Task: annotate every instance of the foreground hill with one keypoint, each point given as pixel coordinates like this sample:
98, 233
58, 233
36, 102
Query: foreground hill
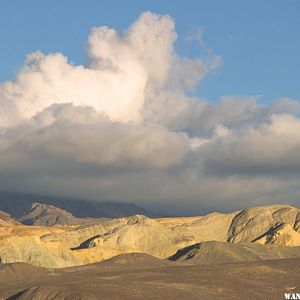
139, 276
73, 245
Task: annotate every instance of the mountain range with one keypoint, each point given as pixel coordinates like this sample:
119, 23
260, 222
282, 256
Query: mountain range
16, 203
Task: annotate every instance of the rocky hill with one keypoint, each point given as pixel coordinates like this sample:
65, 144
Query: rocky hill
273, 224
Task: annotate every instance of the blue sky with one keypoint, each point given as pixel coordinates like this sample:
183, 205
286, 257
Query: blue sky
258, 40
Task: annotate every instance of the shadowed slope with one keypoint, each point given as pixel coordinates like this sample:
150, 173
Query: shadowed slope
219, 252
7, 220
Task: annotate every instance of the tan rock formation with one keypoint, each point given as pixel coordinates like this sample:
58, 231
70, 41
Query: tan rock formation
252, 223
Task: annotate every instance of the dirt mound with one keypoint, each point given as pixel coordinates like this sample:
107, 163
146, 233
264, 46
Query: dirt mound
135, 260
19, 272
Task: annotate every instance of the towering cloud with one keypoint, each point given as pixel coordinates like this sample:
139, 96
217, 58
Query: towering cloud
123, 127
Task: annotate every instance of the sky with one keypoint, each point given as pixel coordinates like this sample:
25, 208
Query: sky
178, 106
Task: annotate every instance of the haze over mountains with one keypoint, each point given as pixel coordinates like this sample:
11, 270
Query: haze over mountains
16, 203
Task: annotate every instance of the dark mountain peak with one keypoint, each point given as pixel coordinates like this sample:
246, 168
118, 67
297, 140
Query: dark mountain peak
47, 215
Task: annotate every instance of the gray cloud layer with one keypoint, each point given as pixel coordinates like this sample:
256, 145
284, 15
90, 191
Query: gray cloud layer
124, 128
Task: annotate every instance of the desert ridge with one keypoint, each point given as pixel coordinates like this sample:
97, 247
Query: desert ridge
271, 229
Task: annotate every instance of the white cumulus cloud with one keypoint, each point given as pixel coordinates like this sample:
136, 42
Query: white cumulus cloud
124, 127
